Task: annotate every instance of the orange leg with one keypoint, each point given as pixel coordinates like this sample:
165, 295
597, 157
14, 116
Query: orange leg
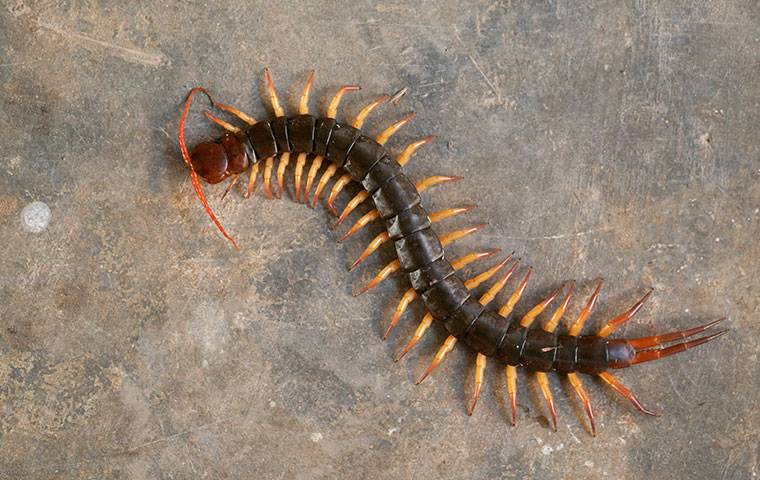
622, 390
303, 105
448, 346
543, 382
329, 172
352, 204
365, 220
284, 160
657, 353
410, 294
232, 183
337, 187
551, 325
278, 111
511, 373
528, 318
581, 392
227, 126
298, 172
480, 368
252, 180
359, 120
407, 153
506, 309
388, 132
613, 324
657, 340
576, 328
315, 166
268, 163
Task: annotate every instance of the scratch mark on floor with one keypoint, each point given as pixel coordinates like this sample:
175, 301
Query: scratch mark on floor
477, 67
130, 54
560, 236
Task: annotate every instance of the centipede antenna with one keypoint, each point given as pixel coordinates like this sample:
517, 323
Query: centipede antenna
268, 163
234, 111
551, 325
338, 186
428, 182
418, 333
449, 212
303, 105
511, 374
411, 294
278, 111
576, 328
351, 205
225, 125
382, 139
390, 268
233, 181
365, 219
527, 319
447, 346
332, 109
316, 164
186, 157
380, 239
362, 116
506, 309
622, 390
284, 160
642, 356
480, 368
543, 383
252, 180
409, 150
326, 176
616, 322
575, 381
298, 172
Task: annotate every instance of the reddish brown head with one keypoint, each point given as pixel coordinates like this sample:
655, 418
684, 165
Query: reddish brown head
218, 159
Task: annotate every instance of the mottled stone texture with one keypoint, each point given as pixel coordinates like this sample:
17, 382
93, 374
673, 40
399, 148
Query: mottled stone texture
618, 140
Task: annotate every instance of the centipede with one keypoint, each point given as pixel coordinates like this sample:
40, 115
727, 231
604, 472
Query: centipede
392, 200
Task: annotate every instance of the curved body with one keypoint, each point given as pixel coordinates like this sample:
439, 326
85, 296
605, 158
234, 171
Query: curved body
420, 250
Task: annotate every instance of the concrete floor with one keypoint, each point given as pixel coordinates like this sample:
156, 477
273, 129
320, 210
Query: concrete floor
617, 141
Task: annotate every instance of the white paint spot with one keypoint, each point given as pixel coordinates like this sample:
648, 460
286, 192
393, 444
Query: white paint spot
36, 217
392, 430
589, 463
272, 404
547, 449
316, 437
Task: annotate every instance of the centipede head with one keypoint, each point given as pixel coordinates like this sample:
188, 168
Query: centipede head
215, 160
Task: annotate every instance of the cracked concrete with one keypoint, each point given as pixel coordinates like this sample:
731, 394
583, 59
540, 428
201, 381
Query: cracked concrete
618, 140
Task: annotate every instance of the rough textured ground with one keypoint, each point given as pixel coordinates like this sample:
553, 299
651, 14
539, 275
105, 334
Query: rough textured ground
617, 141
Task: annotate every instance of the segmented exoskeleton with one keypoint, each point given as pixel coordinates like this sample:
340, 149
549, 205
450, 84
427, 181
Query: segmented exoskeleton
420, 251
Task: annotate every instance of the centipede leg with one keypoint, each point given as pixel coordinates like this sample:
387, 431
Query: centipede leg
233, 181
359, 120
583, 395
225, 125
252, 180
657, 353
268, 163
511, 373
616, 322
657, 340
480, 367
409, 150
352, 204
284, 160
448, 346
366, 219
622, 390
410, 294
338, 186
326, 176
298, 172
393, 266
388, 132
315, 166
576, 328
543, 383
471, 283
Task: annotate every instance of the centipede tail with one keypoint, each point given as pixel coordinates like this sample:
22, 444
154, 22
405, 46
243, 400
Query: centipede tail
345, 155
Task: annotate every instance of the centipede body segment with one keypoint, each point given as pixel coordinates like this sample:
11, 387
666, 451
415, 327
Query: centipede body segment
351, 156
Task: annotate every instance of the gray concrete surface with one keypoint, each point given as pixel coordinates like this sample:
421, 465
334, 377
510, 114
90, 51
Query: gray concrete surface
616, 141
